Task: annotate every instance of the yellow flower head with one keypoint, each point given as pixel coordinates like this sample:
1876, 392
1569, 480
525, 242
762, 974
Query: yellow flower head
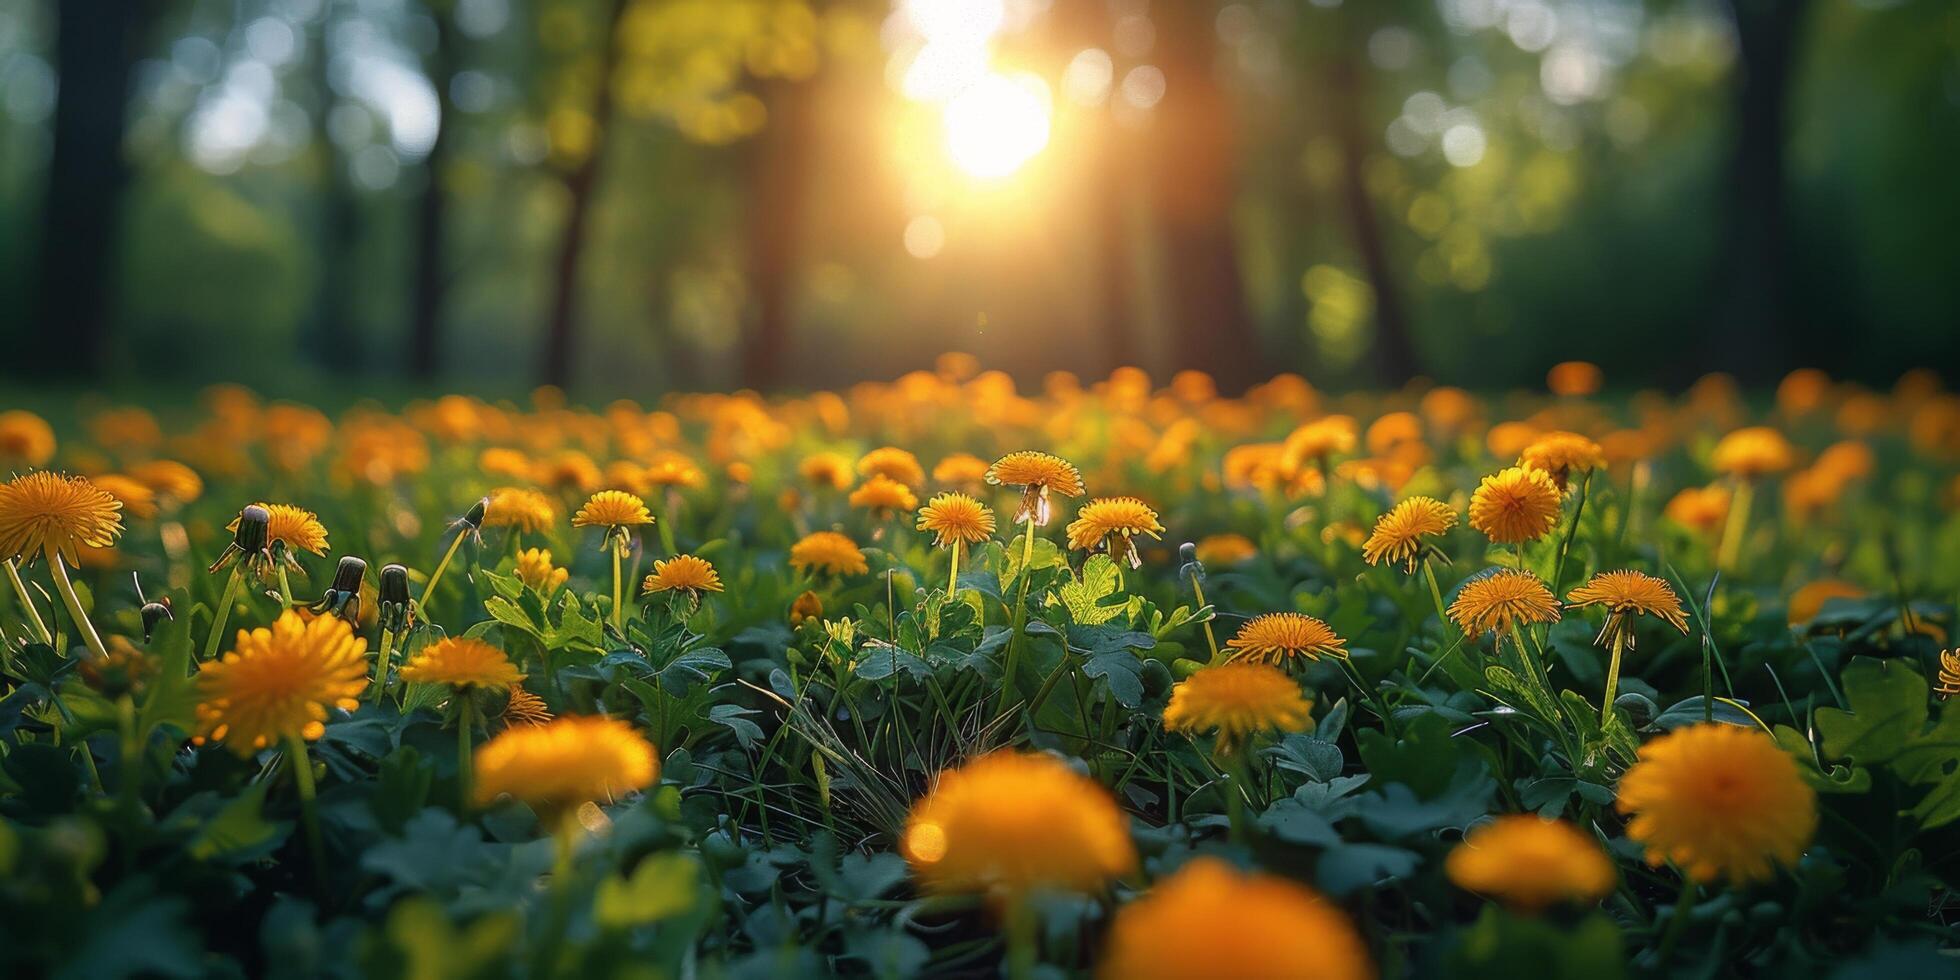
168, 479
828, 552
883, 497
564, 762
1700, 509
1948, 682
137, 499
963, 470
1718, 800
1237, 699
826, 471
1225, 549
25, 438
1036, 473
293, 529
460, 661
1515, 505
525, 708
1560, 454
1115, 522
1626, 594
1809, 600
1401, 534
1321, 438
278, 682
1755, 451
505, 462
893, 463
1530, 863
1574, 379
612, 509
42, 512
1007, 824
806, 607
956, 517
521, 509
534, 568
1213, 920
1278, 638
674, 470
1500, 599
685, 573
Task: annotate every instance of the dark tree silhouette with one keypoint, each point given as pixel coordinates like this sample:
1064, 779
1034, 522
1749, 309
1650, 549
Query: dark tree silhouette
431, 280
562, 318
779, 164
332, 337
1394, 350
87, 176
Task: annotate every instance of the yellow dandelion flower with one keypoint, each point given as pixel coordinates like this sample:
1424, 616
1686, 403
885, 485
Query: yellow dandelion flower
1754, 451
1114, 523
963, 470
894, 464
1809, 600
1626, 594
1036, 473
459, 661
828, 552
168, 479
1401, 534
956, 517
883, 497
43, 511
612, 509
525, 708
556, 766
293, 529
278, 682
684, 573
1319, 439
826, 471
807, 606
137, 499
1574, 379
1225, 549
1007, 824
1502, 599
1560, 454
510, 464
1212, 920
520, 509
1530, 863
1515, 505
674, 470
534, 569
1718, 800
1237, 700
25, 438
1700, 509
1947, 684
1280, 638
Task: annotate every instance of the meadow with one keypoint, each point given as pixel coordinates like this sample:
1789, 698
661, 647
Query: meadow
1114, 678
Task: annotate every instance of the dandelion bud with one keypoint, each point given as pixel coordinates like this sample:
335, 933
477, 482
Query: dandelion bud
154, 613
252, 524
1192, 568
394, 598
343, 597
807, 606
474, 519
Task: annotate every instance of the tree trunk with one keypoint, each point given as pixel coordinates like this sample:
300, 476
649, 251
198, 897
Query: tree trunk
333, 338
1194, 193
779, 167
431, 211
87, 176
1753, 295
1394, 349
580, 183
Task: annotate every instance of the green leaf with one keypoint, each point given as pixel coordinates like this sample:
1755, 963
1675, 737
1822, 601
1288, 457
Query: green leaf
1122, 671
1088, 599
662, 887
239, 830
1888, 707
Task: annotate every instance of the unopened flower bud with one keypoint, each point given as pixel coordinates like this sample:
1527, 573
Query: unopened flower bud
394, 598
154, 613
343, 597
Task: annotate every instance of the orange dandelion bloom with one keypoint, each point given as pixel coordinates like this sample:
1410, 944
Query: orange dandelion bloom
1515, 506
1115, 523
1281, 638
1036, 473
828, 552
1402, 534
1504, 598
1008, 823
1718, 800
1530, 863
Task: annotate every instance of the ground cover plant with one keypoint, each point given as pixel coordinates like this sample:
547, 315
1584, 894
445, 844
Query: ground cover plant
938, 677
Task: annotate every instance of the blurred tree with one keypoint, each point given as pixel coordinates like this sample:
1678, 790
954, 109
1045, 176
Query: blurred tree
581, 180
432, 272
779, 165
332, 335
95, 47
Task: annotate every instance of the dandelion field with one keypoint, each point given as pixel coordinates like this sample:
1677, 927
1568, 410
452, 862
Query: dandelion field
938, 677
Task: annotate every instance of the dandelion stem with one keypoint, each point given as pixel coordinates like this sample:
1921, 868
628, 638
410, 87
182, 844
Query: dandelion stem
465, 720
309, 813
1612, 677
74, 604
1211, 639
1020, 623
1565, 544
1737, 523
26, 603
1677, 923
382, 657
1021, 940
441, 566
220, 615
619, 621
666, 530
285, 590
953, 579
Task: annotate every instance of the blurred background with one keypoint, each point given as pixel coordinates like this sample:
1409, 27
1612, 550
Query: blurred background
632, 196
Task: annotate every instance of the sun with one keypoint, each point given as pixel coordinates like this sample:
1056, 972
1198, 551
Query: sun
997, 124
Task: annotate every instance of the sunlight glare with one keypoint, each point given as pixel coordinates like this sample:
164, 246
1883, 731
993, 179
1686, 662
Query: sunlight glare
997, 124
